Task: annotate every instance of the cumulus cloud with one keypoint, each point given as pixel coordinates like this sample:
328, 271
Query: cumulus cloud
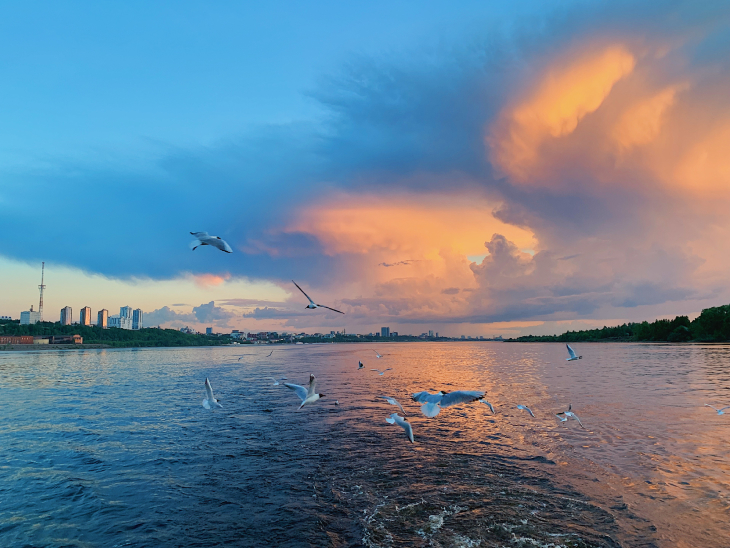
210, 313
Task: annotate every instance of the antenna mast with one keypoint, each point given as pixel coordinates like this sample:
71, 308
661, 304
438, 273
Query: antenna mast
42, 287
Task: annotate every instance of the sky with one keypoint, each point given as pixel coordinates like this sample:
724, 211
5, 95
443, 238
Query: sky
474, 168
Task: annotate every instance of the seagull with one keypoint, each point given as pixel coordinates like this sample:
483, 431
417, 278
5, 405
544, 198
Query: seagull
567, 414
526, 409
307, 395
377, 355
276, 382
382, 372
210, 400
337, 402
203, 238
432, 403
719, 411
395, 418
573, 355
270, 353
312, 304
393, 401
491, 407
359, 365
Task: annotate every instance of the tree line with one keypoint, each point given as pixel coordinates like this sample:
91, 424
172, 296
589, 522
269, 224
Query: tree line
112, 336
712, 325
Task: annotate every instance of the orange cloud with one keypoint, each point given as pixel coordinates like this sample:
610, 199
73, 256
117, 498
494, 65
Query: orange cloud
641, 123
210, 280
563, 97
406, 228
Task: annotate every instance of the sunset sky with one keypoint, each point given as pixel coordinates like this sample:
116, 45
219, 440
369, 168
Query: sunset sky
477, 168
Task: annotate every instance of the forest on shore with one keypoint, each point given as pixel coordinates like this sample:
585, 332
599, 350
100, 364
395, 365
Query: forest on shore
113, 337
712, 325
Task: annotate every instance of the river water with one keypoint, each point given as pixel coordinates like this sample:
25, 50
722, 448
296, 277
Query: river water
113, 447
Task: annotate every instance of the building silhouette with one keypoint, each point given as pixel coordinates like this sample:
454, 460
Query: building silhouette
85, 316
385, 331
102, 318
66, 315
137, 319
31, 316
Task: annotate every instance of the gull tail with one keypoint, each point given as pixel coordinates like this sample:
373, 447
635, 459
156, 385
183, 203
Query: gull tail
206, 404
430, 409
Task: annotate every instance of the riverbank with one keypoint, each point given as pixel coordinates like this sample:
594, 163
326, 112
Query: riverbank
33, 347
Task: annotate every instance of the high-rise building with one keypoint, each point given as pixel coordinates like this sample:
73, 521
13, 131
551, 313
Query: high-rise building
430, 332
208, 330
137, 318
66, 315
85, 316
385, 331
120, 322
102, 318
28, 317
125, 312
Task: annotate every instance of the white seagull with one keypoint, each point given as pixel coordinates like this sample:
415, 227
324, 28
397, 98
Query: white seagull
393, 401
568, 414
307, 395
395, 418
377, 355
312, 304
382, 372
210, 400
203, 238
432, 403
573, 355
719, 411
526, 409
360, 365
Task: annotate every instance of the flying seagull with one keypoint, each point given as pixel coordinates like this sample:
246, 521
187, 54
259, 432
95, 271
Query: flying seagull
573, 355
432, 403
359, 365
307, 395
270, 353
565, 415
203, 238
395, 418
719, 411
210, 400
312, 304
377, 355
526, 409
393, 401
382, 372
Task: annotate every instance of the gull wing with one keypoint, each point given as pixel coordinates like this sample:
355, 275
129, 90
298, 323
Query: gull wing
404, 424
270, 353
200, 235
376, 353
378, 370
209, 390
708, 405
307, 296
423, 397
576, 418
393, 401
221, 244
723, 409
491, 407
312, 383
273, 379
571, 352
300, 390
460, 396
328, 308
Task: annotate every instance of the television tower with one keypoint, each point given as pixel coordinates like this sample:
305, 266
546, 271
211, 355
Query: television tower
42, 287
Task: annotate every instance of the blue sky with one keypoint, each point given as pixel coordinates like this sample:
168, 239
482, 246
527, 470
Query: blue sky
325, 140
